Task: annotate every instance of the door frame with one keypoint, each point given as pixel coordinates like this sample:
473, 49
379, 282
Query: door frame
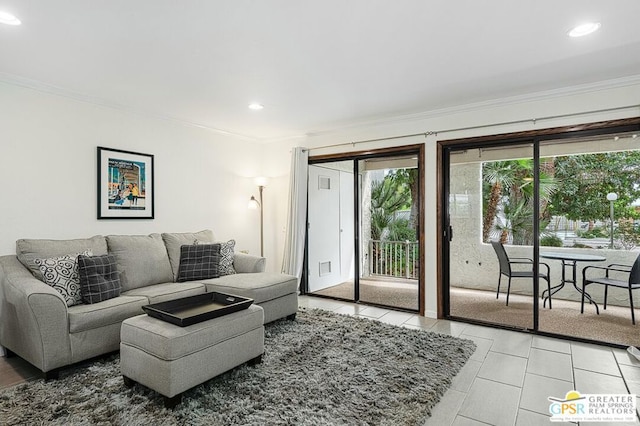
534, 137
416, 149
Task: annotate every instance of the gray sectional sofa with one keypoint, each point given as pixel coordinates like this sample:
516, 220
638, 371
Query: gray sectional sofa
37, 324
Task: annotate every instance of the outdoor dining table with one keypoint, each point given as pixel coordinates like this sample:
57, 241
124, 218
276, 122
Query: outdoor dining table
569, 260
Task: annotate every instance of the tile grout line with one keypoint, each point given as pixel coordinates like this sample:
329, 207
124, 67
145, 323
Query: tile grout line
526, 367
624, 380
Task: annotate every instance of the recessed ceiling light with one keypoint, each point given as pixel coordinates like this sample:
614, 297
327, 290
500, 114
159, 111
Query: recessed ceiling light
9, 19
584, 29
256, 106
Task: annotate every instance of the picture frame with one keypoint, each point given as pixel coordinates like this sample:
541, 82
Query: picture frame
125, 184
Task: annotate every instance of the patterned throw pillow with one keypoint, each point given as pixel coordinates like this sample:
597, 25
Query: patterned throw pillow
199, 262
61, 273
226, 258
99, 278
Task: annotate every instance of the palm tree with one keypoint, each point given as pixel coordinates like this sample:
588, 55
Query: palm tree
517, 222
517, 199
498, 174
385, 201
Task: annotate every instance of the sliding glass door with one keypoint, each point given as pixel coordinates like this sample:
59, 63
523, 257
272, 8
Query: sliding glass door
364, 224
556, 214
491, 226
389, 217
589, 220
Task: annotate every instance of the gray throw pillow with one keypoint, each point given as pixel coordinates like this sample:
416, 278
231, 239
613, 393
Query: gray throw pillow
99, 278
199, 262
173, 242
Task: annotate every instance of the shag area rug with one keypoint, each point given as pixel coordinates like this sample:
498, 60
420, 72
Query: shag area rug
321, 369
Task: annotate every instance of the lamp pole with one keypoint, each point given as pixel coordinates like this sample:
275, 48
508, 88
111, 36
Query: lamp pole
254, 204
261, 187
612, 197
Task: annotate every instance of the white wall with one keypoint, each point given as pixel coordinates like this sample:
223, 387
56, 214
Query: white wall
585, 100
48, 172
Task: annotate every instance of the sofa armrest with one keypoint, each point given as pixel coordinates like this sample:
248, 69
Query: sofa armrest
248, 263
33, 317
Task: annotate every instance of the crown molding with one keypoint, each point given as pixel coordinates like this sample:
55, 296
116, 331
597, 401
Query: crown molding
69, 94
354, 125
283, 139
483, 105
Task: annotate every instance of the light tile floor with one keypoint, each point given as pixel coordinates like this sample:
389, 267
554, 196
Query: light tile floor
510, 376
505, 382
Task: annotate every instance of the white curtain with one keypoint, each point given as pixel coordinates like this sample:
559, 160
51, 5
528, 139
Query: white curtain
297, 214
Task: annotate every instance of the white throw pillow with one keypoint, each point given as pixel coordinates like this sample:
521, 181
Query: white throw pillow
226, 258
61, 273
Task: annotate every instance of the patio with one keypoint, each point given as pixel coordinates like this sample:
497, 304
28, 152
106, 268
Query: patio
613, 325
474, 275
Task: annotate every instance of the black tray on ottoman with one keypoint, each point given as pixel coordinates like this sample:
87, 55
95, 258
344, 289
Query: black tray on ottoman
193, 309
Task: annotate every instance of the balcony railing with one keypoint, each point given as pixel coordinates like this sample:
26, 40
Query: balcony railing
394, 258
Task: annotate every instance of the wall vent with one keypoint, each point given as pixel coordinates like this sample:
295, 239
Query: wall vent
324, 182
325, 268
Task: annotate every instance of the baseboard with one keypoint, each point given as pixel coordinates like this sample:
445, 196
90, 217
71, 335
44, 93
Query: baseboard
431, 314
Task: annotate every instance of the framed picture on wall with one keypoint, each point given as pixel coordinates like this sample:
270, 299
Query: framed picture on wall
125, 184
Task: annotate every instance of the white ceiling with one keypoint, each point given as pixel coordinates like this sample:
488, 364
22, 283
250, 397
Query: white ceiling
316, 65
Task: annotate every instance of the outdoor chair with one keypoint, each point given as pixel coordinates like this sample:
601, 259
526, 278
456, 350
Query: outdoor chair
505, 269
630, 284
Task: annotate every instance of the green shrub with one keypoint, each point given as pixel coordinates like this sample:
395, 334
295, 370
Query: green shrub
399, 230
550, 241
596, 232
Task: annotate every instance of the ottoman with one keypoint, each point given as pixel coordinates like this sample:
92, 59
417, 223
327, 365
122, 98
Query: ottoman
170, 359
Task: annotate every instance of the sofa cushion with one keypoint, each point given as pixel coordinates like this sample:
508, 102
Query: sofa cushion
99, 278
61, 273
112, 311
168, 291
260, 287
142, 260
173, 242
226, 257
243, 262
28, 250
199, 262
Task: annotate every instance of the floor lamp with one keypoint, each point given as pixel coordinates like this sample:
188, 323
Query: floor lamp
255, 204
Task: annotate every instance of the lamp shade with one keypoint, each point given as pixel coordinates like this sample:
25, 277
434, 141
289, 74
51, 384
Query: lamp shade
612, 196
253, 203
